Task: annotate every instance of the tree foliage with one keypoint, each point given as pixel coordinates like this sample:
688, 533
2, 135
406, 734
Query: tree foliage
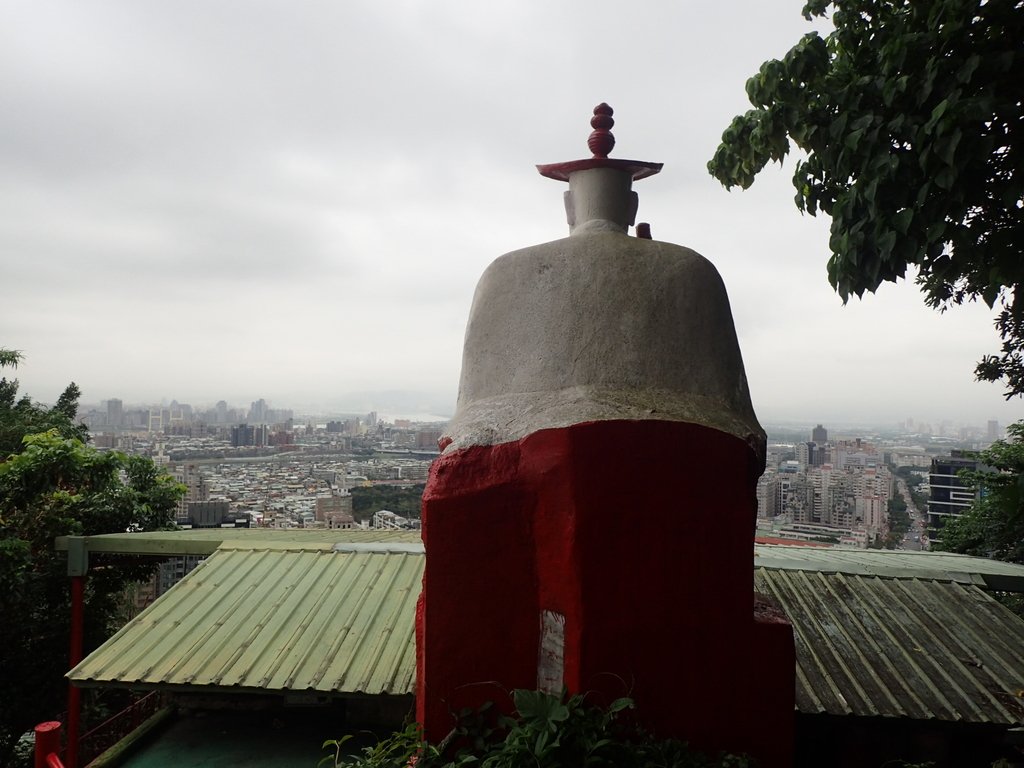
19, 416
910, 117
994, 526
10, 358
404, 500
53, 484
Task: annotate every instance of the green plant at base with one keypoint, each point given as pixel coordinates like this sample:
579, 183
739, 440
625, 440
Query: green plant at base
547, 731
400, 749
336, 745
552, 730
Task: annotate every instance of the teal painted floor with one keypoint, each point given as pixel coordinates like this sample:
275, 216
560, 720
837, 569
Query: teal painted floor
291, 739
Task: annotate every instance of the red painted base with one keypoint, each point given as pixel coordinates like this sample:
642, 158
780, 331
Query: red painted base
640, 535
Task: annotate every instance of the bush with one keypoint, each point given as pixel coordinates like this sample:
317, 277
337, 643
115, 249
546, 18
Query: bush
546, 731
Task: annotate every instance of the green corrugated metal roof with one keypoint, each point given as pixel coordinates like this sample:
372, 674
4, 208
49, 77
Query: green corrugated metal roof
940, 566
204, 541
268, 619
256, 616
900, 647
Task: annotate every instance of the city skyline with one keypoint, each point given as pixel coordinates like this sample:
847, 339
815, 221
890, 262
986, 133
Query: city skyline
111, 411
186, 213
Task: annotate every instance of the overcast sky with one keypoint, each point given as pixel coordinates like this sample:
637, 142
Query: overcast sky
204, 200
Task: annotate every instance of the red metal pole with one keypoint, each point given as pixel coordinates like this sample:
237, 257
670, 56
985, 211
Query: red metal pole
47, 741
74, 694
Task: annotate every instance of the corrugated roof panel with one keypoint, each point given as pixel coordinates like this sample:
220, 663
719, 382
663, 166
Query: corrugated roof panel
944, 566
309, 618
206, 540
891, 647
333, 622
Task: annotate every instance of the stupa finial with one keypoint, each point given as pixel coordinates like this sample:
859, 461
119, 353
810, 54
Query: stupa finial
601, 141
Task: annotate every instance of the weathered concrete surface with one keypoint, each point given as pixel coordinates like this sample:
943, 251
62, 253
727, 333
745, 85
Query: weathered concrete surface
600, 326
600, 199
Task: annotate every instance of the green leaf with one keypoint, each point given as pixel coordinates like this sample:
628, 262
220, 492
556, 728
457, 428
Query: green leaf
946, 178
620, 704
541, 743
968, 69
871, 191
947, 147
853, 139
863, 122
937, 113
885, 245
901, 221
838, 126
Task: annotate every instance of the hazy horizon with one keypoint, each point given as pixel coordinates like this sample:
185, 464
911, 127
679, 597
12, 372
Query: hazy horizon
421, 406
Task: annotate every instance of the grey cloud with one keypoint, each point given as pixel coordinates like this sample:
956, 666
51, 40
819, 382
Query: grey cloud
243, 179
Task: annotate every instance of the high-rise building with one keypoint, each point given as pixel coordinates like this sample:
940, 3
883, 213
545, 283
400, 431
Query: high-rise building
196, 487
243, 435
258, 411
797, 498
811, 454
115, 412
248, 435
156, 419
872, 487
819, 435
767, 494
993, 430
949, 495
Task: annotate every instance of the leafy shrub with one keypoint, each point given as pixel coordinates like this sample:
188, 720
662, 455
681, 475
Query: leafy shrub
547, 731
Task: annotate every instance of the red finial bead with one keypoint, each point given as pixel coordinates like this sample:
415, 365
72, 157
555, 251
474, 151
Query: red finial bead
601, 140
601, 143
